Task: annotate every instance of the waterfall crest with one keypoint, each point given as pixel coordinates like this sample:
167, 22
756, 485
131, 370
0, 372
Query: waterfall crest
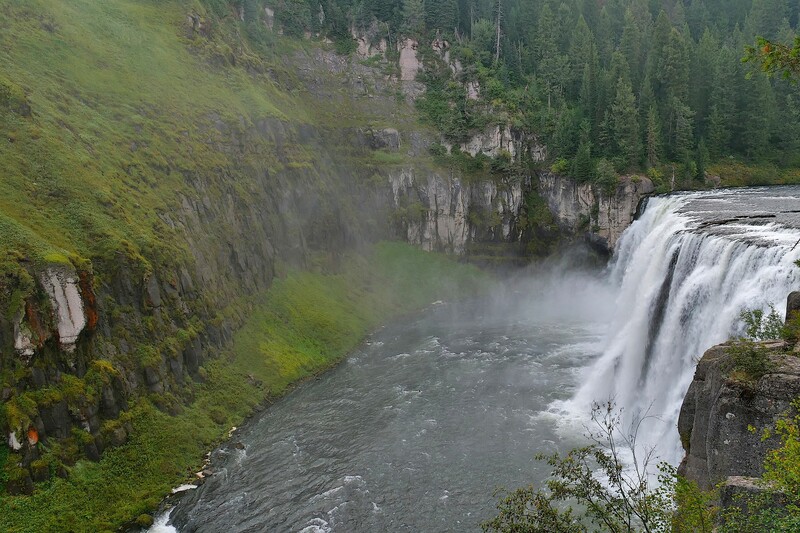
685, 271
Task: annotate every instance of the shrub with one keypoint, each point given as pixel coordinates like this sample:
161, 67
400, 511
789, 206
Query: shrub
750, 361
561, 166
626, 500
759, 326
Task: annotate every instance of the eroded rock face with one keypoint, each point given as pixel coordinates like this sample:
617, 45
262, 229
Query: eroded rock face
491, 142
23, 337
583, 207
410, 64
718, 413
435, 209
62, 286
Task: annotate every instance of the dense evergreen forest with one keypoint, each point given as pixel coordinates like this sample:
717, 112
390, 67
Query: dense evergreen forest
634, 84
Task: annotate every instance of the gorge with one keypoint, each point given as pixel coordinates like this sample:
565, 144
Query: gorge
418, 214
409, 430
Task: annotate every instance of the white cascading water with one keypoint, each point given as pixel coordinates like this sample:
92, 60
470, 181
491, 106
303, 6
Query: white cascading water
681, 291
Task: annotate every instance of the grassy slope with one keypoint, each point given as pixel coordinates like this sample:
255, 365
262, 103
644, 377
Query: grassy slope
306, 322
123, 110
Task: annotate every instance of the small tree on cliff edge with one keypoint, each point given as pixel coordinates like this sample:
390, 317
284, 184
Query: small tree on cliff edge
613, 498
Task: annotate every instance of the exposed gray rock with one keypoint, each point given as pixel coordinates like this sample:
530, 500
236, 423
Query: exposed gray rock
721, 420
792, 303
153, 292
582, 207
61, 285
386, 138
738, 491
434, 210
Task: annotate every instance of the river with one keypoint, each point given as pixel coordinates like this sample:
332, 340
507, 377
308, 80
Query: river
418, 427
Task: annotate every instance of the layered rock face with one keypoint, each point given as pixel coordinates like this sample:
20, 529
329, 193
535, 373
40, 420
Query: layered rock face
434, 211
582, 208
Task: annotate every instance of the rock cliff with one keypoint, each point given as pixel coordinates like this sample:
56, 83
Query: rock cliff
184, 212
722, 419
600, 215
723, 416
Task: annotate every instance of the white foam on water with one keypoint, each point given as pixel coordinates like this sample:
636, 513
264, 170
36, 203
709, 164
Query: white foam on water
160, 524
680, 291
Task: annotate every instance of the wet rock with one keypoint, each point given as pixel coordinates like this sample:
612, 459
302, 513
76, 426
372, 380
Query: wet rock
192, 356
91, 451
38, 377
119, 436
718, 413
56, 420
152, 377
153, 293
176, 368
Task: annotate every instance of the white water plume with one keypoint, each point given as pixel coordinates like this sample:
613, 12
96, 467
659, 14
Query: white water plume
682, 288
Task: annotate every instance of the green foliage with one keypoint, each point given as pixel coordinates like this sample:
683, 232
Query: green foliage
560, 166
305, 323
791, 329
750, 360
4, 453
607, 177
294, 16
760, 326
775, 58
626, 500
696, 511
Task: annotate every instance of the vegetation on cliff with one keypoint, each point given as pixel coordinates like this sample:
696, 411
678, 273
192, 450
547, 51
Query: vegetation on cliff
306, 322
656, 86
167, 156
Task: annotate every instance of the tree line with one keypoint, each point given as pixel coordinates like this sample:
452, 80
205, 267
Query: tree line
640, 84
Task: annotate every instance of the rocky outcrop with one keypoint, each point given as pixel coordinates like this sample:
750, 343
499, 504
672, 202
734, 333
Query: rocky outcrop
584, 208
722, 418
443, 213
64, 318
61, 285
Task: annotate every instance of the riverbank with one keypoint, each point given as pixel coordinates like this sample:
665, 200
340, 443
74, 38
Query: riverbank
305, 323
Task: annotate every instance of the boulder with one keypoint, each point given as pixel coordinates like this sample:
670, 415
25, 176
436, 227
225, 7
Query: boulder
721, 419
737, 491
792, 304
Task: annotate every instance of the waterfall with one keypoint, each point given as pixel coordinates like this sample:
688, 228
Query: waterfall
683, 279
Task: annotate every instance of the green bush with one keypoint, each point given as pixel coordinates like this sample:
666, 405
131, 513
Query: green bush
760, 326
750, 360
626, 501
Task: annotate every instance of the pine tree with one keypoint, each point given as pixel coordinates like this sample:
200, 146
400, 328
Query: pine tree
413, 17
653, 138
625, 125
702, 159
441, 15
582, 167
682, 139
